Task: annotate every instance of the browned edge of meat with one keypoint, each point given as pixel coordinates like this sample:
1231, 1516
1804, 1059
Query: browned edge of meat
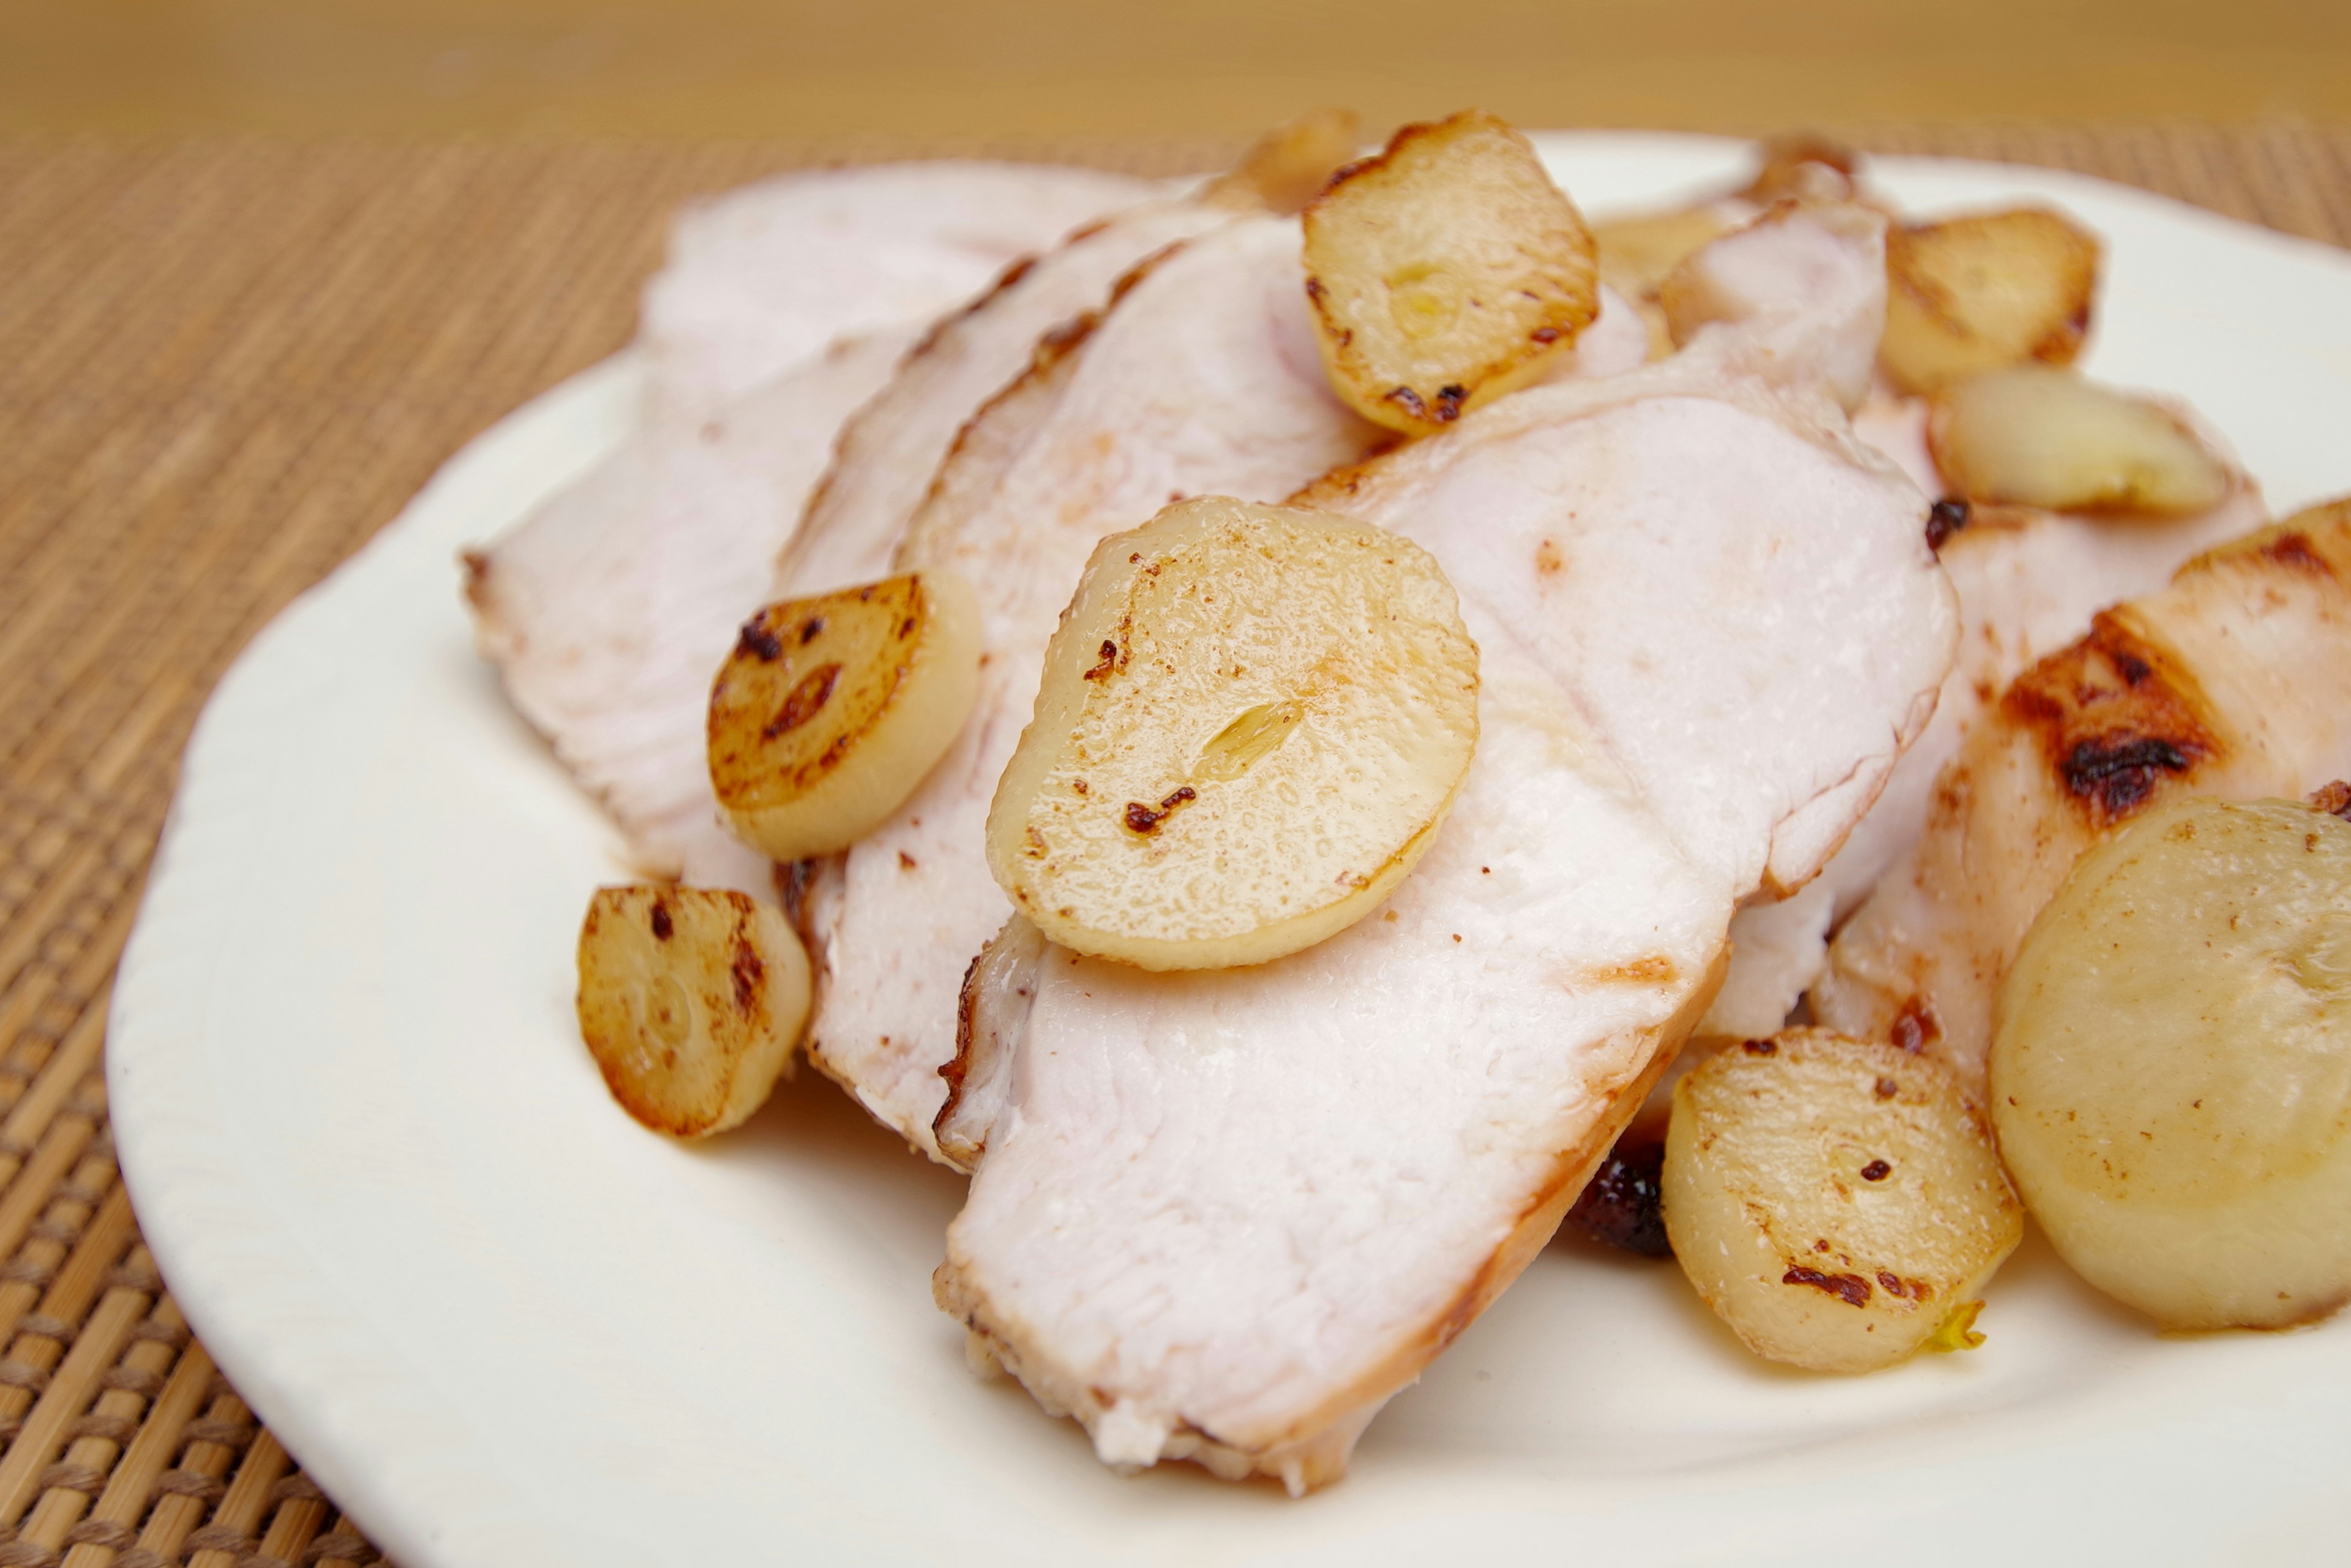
2119, 717
1005, 419
1318, 1444
1005, 422
2315, 541
2119, 724
923, 348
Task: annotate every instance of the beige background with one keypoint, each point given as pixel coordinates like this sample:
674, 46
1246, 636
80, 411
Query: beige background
1048, 68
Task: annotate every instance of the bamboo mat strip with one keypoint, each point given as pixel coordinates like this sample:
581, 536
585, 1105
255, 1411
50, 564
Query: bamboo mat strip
224, 364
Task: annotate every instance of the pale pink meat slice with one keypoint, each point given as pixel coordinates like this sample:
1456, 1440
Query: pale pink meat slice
1806, 286
890, 450
1202, 381
760, 279
608, 609
1202, 377
1226, 1215
2233, 680
2028, 583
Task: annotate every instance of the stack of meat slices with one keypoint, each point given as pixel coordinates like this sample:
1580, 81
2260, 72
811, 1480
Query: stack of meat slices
1224, 1215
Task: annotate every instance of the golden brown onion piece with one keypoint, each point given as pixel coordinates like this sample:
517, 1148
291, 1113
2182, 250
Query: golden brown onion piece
1836, 1201
1444, 271
691, 1000
1252, 720
831, 709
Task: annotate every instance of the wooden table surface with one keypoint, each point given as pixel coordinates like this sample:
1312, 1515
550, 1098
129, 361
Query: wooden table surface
929, 68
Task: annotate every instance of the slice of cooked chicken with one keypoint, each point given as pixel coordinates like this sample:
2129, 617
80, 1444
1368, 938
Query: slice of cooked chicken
1201, 377
1225, 1215
2234, 681
1806, 283
608, 609
762, 277
889, 450
2028, 583
1191, 383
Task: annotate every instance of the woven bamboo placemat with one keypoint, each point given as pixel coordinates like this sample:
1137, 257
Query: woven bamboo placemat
223, 365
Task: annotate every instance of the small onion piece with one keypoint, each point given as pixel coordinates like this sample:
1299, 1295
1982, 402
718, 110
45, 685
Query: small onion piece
1987, 289
691, 1000
1290, 164
2171, 1070
1445, 271
1836, 1201
1253, 721
2032, 435
831, 709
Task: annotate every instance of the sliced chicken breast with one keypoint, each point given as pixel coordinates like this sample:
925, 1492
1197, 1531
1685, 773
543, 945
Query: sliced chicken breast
762, 277
891, 448
1203, 381
1807, 286
2028, 583
1201, 377
609, 609
2234, 681
1225, 1215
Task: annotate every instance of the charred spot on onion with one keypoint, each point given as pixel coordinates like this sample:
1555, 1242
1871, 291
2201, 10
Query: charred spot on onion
829, 710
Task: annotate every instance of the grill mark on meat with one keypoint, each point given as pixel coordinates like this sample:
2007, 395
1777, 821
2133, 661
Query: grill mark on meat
957, 1068
1055, 345
2117, 718
2121, 775
2312, 543
1054, 348
1330, 492
2296, 552
819, 501
1650, 969
1009, 957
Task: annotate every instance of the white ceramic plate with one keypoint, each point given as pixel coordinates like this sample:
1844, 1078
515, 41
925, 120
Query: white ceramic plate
506, 1326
